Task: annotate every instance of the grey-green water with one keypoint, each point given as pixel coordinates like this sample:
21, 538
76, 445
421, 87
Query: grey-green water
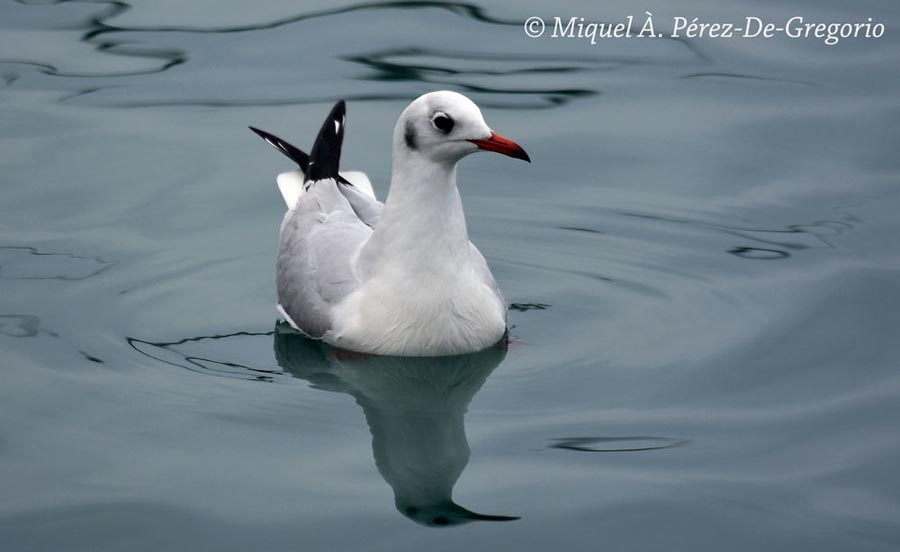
702, 263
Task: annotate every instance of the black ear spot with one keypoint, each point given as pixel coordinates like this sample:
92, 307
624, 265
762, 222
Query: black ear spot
442, 122
410, 136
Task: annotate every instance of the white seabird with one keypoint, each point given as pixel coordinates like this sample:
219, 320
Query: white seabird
398, 278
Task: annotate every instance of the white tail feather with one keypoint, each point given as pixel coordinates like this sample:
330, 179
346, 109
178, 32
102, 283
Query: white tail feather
290, 184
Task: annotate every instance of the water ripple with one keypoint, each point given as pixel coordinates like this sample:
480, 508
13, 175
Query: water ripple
801, 236
635, 443
471, 11
168, 352
19, 262
20, 325
554, 73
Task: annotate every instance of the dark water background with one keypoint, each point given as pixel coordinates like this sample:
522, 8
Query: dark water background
702, 258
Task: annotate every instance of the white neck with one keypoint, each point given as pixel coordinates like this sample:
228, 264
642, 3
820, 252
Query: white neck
422, 228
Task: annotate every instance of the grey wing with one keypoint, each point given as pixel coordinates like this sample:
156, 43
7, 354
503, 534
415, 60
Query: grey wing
319, 240
484, 273
366, 207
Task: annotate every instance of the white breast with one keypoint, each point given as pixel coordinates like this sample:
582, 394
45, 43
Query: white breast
427, 316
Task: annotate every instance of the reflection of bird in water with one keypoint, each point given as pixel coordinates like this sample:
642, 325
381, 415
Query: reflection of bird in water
415, 409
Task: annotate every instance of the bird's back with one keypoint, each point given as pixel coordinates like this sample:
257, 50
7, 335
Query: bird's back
319, 239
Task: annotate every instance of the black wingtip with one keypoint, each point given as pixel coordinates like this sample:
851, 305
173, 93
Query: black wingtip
325, 157
294, 153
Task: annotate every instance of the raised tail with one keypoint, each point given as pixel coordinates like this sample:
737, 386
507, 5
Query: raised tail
294, 153
322, 164
325, 157
301, 158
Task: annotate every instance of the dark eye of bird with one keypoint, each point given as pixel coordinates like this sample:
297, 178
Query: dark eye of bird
442, 122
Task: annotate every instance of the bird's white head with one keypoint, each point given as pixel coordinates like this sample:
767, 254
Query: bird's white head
445, 126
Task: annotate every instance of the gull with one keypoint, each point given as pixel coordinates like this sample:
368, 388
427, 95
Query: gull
396, 278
